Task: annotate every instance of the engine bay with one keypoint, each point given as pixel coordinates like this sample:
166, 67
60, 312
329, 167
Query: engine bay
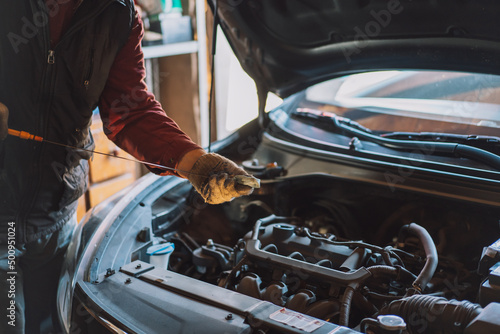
357, 255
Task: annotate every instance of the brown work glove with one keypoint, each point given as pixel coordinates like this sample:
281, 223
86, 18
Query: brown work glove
212, 176
4, 116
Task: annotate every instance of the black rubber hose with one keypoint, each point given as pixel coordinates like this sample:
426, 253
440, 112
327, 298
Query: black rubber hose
345, 306
430, 251
382, 270
375, 271
364, 304
430, 314
398, 272
475, 153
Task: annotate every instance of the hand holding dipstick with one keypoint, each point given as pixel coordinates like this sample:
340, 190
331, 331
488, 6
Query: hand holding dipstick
209, 176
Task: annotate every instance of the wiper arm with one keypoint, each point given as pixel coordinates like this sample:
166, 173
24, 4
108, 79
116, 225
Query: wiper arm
428, 146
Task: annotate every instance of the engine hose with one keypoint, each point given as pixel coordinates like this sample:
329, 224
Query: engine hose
431, 314
398, 272
364, 304
430, 251
345, 306
375, 271
381, 270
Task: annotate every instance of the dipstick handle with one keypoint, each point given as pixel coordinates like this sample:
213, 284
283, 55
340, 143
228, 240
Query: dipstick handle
247, 181
24, 135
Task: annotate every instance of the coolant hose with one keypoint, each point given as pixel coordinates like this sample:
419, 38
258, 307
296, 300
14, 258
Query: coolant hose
430, 251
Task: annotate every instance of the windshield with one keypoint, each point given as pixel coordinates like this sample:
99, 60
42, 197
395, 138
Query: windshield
413, 101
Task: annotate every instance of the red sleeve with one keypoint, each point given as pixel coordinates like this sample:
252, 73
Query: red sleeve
132, 117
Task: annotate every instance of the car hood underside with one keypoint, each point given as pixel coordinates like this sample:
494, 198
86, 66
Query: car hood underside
286, 46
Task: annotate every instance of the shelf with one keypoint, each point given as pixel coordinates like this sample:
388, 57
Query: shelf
165, 50
198, 46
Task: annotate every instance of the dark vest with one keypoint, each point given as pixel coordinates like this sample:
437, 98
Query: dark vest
51, 92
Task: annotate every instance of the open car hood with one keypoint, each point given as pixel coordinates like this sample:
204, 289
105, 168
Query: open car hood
288, 45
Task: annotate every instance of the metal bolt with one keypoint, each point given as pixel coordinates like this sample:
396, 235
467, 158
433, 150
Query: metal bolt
109, 272
229, 316
138, 266
210, 243
128, 281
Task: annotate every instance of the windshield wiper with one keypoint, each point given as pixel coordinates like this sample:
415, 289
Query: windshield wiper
408, 141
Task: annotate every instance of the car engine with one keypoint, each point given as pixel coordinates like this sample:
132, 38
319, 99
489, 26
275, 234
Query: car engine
355, 255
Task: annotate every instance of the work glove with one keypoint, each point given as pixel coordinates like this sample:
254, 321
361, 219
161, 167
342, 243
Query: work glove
4, 116
212, 176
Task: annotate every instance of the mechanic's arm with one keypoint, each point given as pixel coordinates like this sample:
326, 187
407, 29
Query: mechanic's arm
136, 122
